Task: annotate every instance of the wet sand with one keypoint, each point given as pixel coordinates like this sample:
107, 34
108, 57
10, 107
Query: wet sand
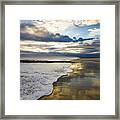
82, 82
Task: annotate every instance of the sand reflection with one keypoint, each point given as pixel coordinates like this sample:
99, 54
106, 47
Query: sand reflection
82, 82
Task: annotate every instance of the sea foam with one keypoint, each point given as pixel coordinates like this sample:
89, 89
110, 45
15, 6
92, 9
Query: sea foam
36, 80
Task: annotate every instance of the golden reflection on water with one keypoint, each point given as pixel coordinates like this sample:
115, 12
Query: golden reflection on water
82, 82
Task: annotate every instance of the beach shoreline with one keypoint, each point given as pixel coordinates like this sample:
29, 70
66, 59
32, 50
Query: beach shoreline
36, 79
78, 84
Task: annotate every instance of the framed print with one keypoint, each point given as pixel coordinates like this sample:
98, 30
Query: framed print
59, 59
59, 53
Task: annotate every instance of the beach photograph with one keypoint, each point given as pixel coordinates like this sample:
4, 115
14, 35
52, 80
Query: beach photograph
60, 59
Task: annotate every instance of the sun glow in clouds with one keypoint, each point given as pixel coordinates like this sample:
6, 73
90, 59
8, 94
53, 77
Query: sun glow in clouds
50, 47
43, 27
59, 37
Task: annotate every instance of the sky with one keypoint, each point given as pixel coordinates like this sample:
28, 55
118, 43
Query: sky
56, 36
71, 28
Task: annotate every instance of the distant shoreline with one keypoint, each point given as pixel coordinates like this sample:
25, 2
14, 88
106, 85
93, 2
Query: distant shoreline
58, 61
38, 61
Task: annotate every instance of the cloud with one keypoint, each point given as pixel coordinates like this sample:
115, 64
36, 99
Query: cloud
36, 46
44, 27
48, 38
94, 32
38, 31
57, 30
31, 28
92, 22
81, 23
54, 26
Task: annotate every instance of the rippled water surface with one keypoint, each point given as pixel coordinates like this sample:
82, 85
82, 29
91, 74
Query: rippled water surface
79, 80
36, 79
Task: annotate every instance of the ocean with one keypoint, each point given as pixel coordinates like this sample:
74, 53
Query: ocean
36, 79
